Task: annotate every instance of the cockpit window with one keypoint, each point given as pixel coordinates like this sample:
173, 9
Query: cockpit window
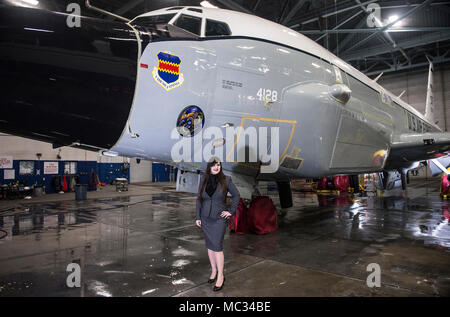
195, 10
153, 19
174, 8
216, 28
189, 23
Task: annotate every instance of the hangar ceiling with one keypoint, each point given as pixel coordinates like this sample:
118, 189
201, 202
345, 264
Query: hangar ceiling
365, 33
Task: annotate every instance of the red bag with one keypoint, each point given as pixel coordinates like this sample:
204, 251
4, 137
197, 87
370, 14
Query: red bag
238, 221
65, 187
445, 185
341, 183
322, 184
262, 215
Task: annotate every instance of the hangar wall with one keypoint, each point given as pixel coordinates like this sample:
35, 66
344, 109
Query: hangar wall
26, 149
106, 166
415, 84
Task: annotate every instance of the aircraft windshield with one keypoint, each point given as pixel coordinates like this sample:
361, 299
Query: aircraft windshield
189, 23
216, 28
153, 20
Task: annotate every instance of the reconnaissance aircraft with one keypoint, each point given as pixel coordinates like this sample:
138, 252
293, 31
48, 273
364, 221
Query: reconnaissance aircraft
123, 88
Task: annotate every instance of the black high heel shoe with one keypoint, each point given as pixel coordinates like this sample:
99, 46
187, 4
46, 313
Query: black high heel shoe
212, 280
218, 288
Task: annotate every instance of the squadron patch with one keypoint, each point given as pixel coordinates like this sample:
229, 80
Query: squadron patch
190, 121
167, 74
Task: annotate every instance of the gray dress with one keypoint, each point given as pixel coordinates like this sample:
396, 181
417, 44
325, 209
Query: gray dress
209, 210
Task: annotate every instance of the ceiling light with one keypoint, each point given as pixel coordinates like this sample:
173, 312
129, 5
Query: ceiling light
32, 2
206, 4
393, 18
109, 153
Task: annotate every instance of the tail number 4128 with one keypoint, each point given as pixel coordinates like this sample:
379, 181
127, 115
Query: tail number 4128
267, 95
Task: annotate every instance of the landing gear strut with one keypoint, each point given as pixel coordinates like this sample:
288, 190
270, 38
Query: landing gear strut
285, 194
405, 179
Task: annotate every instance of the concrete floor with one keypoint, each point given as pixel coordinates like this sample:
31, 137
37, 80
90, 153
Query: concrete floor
144, 243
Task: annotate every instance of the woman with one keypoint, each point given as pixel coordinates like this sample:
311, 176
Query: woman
212, 213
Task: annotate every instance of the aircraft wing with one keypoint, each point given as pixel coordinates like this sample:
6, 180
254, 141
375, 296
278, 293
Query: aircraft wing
410, 147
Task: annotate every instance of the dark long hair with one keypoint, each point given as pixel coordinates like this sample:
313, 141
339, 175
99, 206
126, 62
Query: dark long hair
221, 175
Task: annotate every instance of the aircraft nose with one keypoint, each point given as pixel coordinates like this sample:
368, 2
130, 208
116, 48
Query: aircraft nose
64, 84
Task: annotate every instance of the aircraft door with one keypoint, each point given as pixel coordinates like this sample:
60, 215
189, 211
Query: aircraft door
244, 121
304, 121
364, 130
246, 106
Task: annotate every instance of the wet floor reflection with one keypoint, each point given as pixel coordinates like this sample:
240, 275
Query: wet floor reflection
43, 239
29, 219
423, 218
416, 219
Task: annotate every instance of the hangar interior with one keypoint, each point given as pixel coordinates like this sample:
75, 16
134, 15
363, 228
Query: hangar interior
142, 241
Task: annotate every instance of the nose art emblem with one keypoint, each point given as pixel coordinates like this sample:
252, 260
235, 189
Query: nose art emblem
190, 121
167, 73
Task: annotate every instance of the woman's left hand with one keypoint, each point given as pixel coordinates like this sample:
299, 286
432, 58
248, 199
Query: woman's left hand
225, 214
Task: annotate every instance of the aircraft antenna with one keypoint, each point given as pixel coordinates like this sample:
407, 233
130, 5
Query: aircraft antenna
90, 6
429, 106
378, 77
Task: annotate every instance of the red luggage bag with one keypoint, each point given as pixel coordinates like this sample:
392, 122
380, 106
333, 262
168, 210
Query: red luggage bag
238, 221
262, 216
445, 185
341, 183
322, 184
